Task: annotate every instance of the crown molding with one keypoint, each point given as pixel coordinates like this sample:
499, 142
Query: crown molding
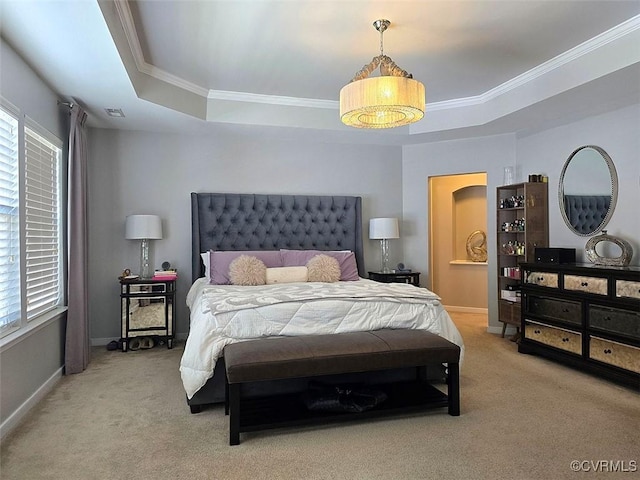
128, 25
273, 99
599, 41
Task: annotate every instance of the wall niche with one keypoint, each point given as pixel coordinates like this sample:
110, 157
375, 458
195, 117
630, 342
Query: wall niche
469, 215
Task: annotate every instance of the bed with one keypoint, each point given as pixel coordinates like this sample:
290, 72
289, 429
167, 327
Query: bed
299, 227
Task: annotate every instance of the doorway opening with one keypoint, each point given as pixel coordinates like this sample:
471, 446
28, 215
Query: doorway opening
457, 233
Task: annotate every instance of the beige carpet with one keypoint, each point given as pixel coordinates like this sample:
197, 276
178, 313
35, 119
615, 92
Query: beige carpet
523, 417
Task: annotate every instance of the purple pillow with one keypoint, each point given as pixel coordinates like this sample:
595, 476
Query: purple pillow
346, 259
220, 261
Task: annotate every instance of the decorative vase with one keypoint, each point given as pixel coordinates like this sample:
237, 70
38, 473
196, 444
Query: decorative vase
621, 261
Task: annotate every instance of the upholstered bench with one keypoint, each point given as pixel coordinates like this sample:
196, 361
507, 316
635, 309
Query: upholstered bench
280, 358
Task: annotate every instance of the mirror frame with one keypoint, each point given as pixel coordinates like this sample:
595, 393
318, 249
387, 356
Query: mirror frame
613, 177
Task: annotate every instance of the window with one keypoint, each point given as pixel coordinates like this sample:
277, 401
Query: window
9, 225
30, 229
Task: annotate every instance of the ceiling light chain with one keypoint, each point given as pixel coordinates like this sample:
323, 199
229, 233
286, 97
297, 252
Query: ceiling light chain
381, 26
386, 64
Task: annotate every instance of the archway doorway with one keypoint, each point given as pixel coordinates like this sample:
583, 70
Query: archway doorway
457, 210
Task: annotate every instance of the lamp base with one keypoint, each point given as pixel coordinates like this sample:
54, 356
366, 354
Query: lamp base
145, 268
384, 248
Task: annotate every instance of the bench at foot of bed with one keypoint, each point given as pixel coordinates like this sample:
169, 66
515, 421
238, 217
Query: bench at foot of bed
315, 356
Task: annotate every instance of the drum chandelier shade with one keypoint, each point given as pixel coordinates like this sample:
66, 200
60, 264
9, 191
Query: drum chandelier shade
390, 100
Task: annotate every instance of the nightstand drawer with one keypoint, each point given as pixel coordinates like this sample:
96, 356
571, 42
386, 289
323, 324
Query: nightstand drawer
624, 322
554, 309
613, 353
585, 284
553, 336
627, 289
143, 288
543, 279
412, 278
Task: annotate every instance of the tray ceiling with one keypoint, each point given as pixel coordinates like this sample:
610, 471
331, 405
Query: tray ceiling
488, 66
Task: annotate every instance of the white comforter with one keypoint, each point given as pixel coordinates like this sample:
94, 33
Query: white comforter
224, 314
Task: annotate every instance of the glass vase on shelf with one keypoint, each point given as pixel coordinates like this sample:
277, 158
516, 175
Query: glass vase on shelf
508, 176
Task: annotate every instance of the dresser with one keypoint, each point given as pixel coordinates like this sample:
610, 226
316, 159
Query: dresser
583, 315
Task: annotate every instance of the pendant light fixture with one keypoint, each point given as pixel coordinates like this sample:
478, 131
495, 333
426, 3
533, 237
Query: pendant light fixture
390, 100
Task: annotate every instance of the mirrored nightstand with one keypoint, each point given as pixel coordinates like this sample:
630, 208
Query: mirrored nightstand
147, 309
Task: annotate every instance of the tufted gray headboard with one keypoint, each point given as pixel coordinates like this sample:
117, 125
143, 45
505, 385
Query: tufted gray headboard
586, 212
237, 221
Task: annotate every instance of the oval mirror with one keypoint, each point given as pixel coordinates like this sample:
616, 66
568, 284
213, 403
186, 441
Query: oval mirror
588, 190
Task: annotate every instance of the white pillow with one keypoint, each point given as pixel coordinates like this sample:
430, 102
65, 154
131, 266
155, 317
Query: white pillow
286, 275
205, 260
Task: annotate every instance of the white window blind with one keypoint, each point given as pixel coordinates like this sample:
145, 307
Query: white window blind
9, 224
42, 224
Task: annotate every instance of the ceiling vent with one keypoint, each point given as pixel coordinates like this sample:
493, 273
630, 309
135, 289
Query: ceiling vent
114, 112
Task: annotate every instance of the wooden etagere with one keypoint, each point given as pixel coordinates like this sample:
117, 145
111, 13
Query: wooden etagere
522, 218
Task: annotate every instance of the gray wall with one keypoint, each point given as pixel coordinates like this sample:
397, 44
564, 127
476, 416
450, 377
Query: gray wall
28, 364
543, 152
138, 172
618, 133
487, 154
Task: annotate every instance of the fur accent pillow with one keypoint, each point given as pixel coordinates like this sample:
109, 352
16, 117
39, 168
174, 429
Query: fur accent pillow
247, 270
221, 259
323, 268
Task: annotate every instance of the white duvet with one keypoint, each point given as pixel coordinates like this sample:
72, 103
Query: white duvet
224, 314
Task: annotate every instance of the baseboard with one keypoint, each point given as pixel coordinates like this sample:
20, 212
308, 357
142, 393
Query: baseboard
453, 308
16, 417
482, 311
508, 332
99, 342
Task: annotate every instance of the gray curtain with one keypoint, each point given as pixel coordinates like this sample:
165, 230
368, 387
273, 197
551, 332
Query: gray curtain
77, 351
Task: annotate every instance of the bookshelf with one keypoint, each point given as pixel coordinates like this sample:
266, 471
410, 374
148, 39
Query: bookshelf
522, 218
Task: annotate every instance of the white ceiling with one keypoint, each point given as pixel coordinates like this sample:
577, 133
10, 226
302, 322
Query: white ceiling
278, 66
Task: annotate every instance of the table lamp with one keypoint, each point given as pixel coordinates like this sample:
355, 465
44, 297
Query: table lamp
145, 228
383, 229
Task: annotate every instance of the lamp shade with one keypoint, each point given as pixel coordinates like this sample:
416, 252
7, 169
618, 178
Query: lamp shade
382, 102
140, 227
381, 228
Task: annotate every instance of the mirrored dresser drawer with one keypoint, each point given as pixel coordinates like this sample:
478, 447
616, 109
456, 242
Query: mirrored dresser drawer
614, 353
585, 284
555, 309
615, 320
554, 337
542, 279
627, 289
